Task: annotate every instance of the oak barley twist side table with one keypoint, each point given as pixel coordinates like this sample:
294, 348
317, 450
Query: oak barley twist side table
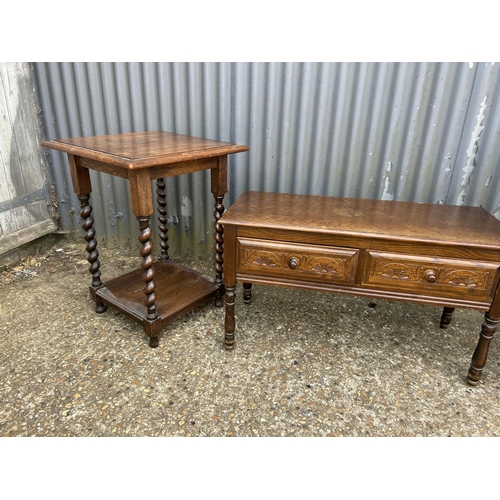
161, 291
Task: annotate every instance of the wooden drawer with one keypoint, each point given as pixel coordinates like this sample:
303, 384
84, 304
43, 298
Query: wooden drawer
297, 261
434, 276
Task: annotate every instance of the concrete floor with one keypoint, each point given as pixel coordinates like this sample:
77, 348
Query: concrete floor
305, 363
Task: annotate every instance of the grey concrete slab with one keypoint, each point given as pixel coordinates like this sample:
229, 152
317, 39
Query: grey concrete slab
305, 363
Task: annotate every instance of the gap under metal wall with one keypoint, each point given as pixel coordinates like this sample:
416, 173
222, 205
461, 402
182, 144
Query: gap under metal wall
426, 132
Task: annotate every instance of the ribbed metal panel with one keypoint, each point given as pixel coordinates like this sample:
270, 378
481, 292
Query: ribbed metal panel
476, 176
402, 131
375, 130
80, 99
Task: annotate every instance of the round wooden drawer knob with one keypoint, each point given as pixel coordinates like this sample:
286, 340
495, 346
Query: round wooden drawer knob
430, 276
293, 262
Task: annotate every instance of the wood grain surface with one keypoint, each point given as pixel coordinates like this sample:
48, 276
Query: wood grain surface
144, 149
178, 288
403, 221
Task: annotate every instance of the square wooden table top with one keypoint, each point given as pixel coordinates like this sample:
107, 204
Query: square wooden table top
137, 150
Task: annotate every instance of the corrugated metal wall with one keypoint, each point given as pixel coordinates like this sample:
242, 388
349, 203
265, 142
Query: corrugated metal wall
424, 132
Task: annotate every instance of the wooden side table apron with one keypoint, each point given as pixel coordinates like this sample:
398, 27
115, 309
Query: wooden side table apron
157, 293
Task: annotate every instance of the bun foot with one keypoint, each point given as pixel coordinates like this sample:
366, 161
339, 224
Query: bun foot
154, 341
100, 307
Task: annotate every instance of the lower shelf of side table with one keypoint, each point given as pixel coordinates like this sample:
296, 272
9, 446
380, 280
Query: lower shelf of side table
178, 290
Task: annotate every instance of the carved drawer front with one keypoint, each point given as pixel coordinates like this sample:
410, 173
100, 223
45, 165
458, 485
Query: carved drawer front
431, 276
297, 261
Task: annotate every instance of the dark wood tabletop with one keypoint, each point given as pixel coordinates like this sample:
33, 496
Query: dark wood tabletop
406, 221
137, 150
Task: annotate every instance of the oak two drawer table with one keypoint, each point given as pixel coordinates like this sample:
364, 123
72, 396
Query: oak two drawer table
431, 254
157, 292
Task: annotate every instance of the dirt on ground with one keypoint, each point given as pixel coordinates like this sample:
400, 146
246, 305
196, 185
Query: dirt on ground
305, 363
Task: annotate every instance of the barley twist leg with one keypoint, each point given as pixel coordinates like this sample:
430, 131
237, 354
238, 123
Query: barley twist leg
148, 278
219, 249
91, 248
162, 219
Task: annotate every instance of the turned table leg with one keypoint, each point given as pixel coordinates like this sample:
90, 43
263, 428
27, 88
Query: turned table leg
481, 353
229, 321
162, 219
447, 316
91, 248
247, 293
219, 249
